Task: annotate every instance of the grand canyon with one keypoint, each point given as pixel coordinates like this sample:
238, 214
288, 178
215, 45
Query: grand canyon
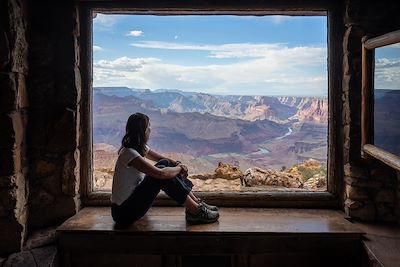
276, 133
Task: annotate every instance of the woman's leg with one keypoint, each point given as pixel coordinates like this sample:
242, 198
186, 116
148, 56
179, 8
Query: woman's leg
138, 203
173, 188
189, 185
145, 193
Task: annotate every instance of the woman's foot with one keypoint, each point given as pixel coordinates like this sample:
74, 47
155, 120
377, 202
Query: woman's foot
208, 206
201, 215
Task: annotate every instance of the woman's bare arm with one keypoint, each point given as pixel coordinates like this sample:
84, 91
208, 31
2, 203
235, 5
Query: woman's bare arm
160, 173
153, 155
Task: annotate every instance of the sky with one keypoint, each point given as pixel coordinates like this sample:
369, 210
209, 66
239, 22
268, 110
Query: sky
235, 55
387, 67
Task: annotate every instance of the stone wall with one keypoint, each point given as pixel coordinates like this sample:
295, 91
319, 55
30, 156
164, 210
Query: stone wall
370, 187
13, 125
54, 91
39, 156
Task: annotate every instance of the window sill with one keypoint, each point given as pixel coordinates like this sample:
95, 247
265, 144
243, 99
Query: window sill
241, 199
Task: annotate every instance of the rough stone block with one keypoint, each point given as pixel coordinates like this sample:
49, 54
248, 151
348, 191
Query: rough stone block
7, 134
69, 181
41, 238
44, 168
64, 129
7, 200
46, 256
4, 52
6, 162
11, 235
385, 213
52, 183
13, 93
364, 213
19, 122
24, 258
386, 195
361, 182
383, 173
346, 137
356, 172
18, 156
22, 96
5, 181
352, 204
18, 43
356, 193
39, 198
37, 131
54, 213
8, 92
352, 42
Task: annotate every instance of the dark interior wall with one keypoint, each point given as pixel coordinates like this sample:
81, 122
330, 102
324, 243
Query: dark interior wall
39, 118
371, 188
24, 201
54, 90
13, 125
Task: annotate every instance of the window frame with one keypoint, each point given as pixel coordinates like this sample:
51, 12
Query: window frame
368, 149
332, 198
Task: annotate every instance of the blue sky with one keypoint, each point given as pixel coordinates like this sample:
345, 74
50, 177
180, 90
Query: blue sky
245, 55
387, 67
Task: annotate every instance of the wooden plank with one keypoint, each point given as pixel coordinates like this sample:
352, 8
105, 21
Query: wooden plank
201, 244
232, 221
382, 155
291, 199
386, 39
381, 243
293, 5
239, 235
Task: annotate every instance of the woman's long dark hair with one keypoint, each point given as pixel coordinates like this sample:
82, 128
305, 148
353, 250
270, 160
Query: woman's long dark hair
135, 136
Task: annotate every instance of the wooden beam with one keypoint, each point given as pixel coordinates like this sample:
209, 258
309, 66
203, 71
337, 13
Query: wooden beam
386, 39
367, 81
382, 155
181, 5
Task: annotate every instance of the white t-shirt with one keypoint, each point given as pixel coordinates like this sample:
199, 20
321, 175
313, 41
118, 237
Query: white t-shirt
126, 178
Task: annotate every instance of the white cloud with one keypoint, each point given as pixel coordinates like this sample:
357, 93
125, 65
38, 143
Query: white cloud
135, 33
387, 73
97, 48
278, 19
259, 69
240, 50
104, 22
124, 63
176, 37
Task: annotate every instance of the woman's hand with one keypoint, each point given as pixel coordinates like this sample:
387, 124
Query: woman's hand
184, 171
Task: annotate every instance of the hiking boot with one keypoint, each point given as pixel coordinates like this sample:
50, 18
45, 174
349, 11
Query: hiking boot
202, 215
210, 207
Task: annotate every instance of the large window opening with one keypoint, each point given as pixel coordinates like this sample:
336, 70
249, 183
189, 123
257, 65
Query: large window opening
241, 100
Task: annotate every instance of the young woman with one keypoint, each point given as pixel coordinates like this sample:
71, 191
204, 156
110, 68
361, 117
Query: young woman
137, 182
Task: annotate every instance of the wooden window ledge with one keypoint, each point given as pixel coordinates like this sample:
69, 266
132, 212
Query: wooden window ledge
242, 237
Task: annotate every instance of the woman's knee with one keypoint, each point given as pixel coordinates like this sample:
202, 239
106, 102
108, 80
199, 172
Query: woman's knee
164, 163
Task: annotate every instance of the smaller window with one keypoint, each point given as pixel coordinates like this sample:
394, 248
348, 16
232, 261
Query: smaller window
380, 98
